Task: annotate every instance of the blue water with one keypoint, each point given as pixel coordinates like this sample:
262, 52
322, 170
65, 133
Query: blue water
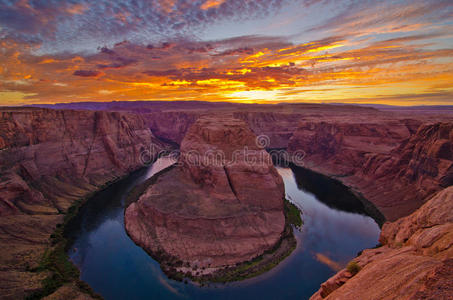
116, 268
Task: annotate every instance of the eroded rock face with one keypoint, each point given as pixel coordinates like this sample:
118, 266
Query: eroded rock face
279, 127
278, 122
392, 168
45, 148
415, 261
221, 205
171, 126
48, 160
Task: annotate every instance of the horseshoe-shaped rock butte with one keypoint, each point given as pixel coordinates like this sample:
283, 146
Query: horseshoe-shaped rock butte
221, 205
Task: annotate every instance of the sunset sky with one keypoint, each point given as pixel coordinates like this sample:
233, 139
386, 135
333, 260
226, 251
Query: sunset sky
389, 52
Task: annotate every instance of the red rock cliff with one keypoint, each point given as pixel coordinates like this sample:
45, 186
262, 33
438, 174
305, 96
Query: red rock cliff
48, 160
392, 168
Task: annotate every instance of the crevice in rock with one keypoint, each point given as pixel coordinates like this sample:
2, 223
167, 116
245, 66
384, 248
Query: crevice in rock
230, 183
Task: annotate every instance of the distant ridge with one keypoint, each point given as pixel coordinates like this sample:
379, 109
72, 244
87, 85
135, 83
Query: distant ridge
153, 106
397, 107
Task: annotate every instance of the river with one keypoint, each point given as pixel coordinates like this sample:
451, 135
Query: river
335, 229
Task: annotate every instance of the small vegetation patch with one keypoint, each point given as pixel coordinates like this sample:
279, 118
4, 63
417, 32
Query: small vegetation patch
353, 267
55, 262
293, 214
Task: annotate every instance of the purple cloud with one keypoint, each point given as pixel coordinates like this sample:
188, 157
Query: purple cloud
71, 24
86, 73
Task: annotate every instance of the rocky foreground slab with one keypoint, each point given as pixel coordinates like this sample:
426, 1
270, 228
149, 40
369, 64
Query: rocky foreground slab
415, 260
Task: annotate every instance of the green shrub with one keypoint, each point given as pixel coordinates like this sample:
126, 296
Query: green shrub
353, 267
292, 213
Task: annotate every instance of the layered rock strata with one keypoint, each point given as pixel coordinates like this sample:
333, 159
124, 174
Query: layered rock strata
389, 166
49, 160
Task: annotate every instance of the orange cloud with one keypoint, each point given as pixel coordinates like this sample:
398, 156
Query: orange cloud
211, 4
76, 9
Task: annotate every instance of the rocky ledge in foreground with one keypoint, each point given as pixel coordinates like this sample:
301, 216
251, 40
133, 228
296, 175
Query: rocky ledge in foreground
221, 206
415, 260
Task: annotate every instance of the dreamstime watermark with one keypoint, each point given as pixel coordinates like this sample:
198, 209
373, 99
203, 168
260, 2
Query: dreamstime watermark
260, 153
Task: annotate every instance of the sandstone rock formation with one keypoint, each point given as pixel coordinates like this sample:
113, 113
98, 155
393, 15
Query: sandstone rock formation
279, 127
222, 205
383, 161
401, 181
49, 159
278, 122
171, 126
415, 261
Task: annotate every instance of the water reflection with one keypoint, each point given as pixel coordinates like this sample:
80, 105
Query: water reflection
106, 205
333, 193
327, 190
117, 269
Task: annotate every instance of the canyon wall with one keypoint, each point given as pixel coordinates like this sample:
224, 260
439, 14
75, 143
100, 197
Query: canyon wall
278, 121
171, 126
49, 159
368, 150
389, 166
279, 127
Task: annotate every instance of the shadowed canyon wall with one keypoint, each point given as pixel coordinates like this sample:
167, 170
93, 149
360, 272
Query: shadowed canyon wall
391, 167
49, 159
